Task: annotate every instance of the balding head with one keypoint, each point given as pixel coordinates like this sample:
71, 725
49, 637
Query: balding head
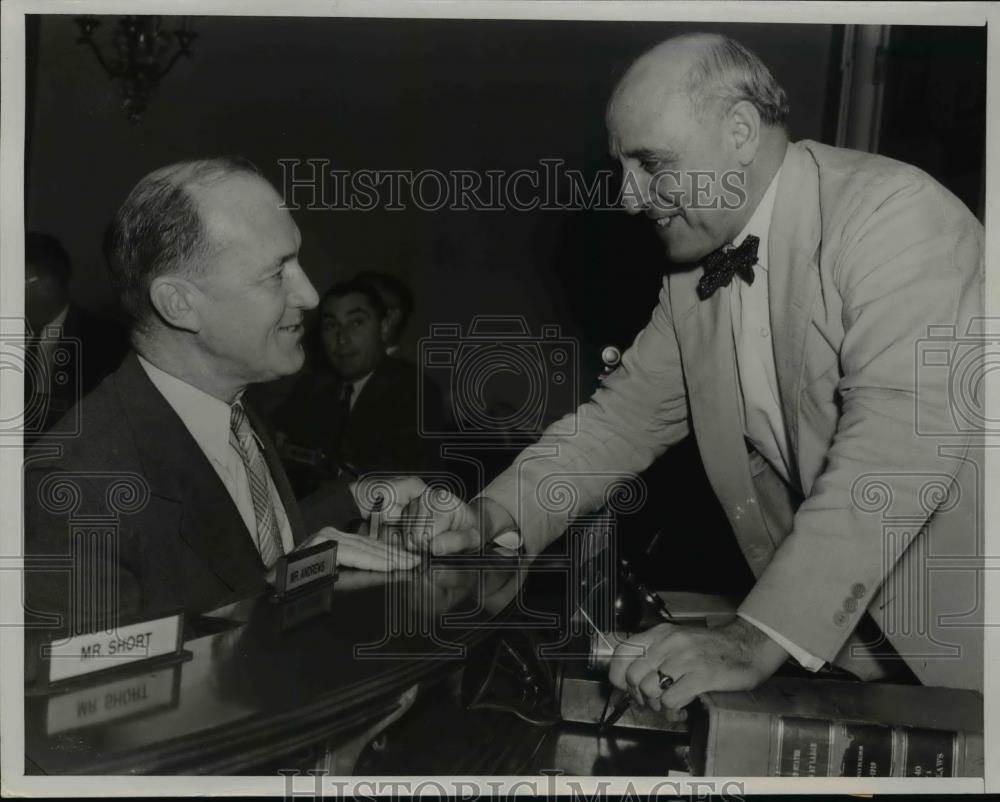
205, 256
710, 72
697, 124
159, 228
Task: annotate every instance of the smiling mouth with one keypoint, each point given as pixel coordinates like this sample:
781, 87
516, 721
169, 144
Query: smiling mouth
664, 222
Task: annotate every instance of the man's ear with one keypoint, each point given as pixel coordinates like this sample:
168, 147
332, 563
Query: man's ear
173, 299
743, 126
385, 329
393, 315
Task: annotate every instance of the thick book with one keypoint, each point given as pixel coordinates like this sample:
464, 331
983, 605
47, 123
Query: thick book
793, 727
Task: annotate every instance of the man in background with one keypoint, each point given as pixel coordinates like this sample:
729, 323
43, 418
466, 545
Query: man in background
361, 411
69, 350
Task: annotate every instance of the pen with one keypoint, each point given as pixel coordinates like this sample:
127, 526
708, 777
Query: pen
625, 702
621, 706
648, 595
375, 519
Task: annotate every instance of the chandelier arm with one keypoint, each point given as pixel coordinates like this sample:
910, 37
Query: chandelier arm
169, 65
97, 53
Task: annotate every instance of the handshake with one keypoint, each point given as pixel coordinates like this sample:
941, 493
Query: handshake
404, 519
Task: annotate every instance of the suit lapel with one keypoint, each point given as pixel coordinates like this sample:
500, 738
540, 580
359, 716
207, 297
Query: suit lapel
705, 336
793, 275
367, 404
177, 469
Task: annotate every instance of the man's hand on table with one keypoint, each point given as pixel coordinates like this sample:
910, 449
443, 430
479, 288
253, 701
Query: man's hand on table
366, 553
380, 498
733, 657
359, 551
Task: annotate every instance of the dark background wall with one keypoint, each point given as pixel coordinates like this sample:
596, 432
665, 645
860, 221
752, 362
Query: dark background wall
468, 95
384, 94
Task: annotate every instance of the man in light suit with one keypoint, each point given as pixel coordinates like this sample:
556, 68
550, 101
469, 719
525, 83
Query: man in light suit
170, 458
790, 349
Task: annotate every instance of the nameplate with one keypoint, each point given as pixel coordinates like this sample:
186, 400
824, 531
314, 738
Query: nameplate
123, 646
120, 699
311, 603
301, 568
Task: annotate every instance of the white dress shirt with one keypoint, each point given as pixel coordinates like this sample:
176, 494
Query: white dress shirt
359, 385
760, 407
207, 418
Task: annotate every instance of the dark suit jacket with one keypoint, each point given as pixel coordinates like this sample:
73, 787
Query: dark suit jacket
90, 348
382, 431
176, 537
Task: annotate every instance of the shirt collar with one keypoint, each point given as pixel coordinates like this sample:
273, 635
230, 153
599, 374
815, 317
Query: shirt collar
359, 385
759, 224
59, 320
52, 330
206, 417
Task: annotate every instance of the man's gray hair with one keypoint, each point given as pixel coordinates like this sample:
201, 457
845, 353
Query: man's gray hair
727, 72
158, 229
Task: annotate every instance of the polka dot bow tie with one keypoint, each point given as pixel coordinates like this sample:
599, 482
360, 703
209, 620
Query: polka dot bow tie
721, 265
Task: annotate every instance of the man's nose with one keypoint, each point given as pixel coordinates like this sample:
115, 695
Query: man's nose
302, 294
635, 192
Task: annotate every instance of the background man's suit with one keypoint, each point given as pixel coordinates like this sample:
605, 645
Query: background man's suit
864, 254
382, 430
187, 546
98, 346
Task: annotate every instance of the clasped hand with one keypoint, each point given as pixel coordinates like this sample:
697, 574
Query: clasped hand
734, 657
429, 519
386, 497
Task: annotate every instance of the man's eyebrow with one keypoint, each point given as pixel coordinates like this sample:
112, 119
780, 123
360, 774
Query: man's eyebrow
287, 258
355, 310
647, 153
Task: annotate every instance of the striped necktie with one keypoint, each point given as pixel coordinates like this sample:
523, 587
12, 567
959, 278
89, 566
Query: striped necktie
243, 439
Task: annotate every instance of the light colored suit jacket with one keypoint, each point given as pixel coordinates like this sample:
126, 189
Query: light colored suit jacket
875, 277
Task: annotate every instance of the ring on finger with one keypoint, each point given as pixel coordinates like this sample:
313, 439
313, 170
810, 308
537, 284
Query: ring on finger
665, 680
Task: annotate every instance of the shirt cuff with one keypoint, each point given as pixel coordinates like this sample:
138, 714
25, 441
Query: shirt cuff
511, 539
806, 660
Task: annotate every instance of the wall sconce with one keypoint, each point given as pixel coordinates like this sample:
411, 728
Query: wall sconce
141, 53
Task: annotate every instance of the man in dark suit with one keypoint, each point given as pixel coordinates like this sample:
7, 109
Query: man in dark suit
172, 495
363, 410
69, 350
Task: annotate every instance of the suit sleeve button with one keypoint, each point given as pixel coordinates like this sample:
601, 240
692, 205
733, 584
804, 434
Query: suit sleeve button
839, 618
857, 590
850, 604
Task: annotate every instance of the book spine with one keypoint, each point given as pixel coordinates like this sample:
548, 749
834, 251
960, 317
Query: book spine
812, 747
